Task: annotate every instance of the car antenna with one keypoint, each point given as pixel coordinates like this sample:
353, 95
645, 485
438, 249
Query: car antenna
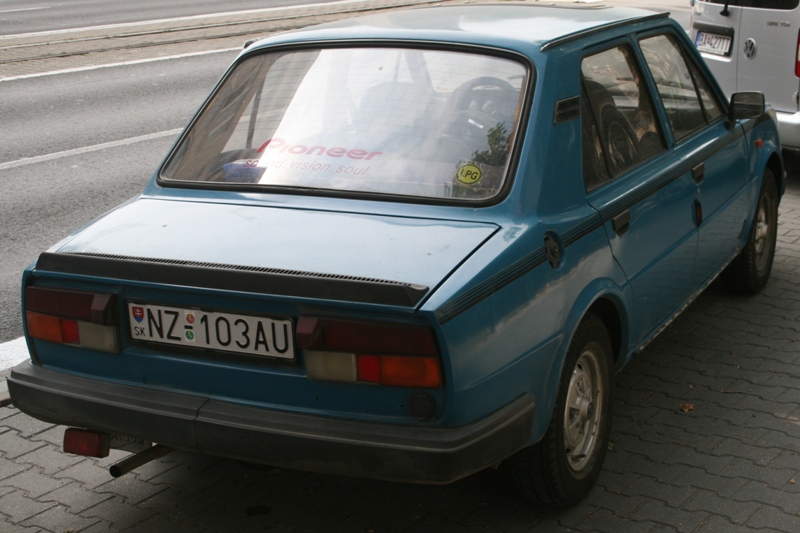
725, 12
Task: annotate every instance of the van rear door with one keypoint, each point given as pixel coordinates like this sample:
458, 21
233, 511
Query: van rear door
767, 51
716, 36
763, 47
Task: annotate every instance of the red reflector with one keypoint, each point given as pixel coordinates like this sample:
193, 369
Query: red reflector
369, 368
85, 442
47, 328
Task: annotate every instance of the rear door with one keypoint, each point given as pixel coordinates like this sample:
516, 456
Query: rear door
642, 190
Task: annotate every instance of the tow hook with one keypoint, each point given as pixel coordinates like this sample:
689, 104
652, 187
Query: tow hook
138, 459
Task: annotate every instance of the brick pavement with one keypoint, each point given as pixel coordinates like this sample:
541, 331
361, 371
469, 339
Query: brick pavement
705, 438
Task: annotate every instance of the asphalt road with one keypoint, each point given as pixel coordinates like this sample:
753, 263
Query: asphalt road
42, 202
25, 16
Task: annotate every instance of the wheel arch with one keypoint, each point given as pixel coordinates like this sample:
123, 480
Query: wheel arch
775, 165
606, 300
608, 312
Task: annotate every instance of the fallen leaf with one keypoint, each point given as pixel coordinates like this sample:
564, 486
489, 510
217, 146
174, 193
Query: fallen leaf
686, 407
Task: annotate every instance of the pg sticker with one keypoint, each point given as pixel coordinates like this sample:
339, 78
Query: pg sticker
469, 174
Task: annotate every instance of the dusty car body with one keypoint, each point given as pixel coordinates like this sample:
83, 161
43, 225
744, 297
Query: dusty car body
411, 246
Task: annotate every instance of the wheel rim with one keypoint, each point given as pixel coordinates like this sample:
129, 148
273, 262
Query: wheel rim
763, 234
583, 410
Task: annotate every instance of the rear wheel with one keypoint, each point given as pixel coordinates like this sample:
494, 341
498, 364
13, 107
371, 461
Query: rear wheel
749, 272
561, 468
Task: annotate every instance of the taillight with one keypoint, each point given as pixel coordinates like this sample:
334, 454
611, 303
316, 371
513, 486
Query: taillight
797, 57
395, 355
77, 318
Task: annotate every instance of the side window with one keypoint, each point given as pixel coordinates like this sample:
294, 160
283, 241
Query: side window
619, 126
687, 99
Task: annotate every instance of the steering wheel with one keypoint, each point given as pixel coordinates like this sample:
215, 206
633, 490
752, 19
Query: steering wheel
622, 141
480, 104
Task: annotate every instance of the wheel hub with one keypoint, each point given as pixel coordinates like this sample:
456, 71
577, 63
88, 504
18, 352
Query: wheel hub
582, 412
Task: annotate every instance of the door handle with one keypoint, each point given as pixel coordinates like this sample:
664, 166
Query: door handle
699, 173
622, 222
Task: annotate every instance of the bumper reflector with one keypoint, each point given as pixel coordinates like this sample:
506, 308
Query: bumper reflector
87, 443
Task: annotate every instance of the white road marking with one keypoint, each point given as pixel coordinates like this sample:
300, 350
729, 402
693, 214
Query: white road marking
87, 149
121, 64
22, 9
176, 19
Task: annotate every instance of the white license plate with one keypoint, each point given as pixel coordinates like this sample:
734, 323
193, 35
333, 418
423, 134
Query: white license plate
713, 43
247, 334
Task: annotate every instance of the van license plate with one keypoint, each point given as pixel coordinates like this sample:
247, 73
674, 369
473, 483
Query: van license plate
713, 43
228, 332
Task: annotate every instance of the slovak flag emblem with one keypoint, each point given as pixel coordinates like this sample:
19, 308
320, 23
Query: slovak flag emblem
138, 313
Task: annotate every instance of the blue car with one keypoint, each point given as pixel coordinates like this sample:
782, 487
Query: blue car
409, 247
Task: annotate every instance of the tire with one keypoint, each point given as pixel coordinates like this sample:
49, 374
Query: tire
560, 469
750, 271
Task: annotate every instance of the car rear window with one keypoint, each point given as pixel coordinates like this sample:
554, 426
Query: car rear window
393, 121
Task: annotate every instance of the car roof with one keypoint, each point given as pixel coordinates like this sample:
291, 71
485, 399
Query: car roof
513, 25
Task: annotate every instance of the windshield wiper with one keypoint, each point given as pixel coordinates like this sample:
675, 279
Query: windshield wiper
725, 12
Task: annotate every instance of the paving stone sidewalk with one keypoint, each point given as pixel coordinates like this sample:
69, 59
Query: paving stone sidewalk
705, 438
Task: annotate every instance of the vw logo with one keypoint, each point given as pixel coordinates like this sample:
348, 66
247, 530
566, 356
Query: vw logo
750, 48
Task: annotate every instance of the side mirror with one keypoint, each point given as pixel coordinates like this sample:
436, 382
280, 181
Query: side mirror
746, 105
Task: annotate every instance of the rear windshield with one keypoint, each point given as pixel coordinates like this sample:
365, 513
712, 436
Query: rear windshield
409, 122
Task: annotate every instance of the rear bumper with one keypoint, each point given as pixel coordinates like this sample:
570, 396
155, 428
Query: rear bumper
789, 130
379, 451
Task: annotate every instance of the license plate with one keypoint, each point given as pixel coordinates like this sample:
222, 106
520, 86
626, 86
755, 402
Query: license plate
713, 43
228, 332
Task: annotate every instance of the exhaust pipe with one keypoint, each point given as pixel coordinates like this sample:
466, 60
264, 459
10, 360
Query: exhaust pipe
138, 459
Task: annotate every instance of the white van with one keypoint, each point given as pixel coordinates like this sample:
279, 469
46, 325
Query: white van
754, 45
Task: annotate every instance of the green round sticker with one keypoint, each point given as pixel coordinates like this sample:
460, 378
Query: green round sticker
469, 174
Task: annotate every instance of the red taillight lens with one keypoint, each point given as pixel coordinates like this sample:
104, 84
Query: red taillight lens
70, 332
797, 57
365, 337
369, 368
78, 318
371, 352
97, 308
